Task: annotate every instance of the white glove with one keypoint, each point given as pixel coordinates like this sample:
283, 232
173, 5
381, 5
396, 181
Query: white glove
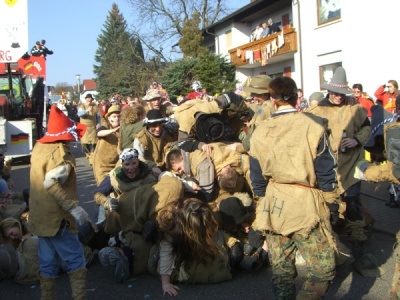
360, 168
80, 215
111, 204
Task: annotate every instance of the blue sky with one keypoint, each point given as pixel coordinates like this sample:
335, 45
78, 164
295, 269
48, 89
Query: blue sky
70, 29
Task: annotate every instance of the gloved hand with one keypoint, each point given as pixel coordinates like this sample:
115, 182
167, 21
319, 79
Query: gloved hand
334, 211
360, 168
111, 204
236, 255
80, 215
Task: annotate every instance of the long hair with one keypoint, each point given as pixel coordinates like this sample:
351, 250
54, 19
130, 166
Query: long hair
7, 224
193, 230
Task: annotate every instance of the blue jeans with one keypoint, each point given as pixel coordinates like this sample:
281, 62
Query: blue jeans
63, 246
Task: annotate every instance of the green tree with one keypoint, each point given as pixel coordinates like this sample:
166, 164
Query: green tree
214, 72
119, 58
191, 42
178, 77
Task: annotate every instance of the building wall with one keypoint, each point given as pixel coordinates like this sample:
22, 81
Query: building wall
362, 40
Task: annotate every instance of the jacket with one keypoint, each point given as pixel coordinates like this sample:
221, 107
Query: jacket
388, 100
42, 206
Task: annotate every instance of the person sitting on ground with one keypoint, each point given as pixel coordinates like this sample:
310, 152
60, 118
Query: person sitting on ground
136, 218
192, 248
248, 249
11, 204
131, 174
14, 233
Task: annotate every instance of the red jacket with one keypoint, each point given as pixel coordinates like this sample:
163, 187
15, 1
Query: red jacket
388, 100
367, 103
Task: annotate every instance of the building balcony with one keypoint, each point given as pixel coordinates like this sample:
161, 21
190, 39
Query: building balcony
283, 53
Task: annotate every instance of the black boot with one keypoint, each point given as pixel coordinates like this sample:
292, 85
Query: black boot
391, 200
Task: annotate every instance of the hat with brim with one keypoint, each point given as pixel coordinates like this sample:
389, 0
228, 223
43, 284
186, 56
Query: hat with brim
233, 211
152, 94
245, 95
62, 128
154, 116
258, 85
317, 96
379, 117
338, 83
209, 127
367, 266
113, 109
89, 96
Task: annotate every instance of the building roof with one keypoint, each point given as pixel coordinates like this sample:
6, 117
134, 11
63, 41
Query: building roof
89, 85
253, 11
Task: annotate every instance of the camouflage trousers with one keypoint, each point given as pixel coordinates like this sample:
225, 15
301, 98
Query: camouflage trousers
320, 263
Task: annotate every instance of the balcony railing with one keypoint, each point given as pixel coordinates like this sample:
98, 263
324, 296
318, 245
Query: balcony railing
290, 45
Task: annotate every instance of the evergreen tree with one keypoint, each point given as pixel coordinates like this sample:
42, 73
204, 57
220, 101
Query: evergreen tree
178, 77
191, 42
214, 72
118, 58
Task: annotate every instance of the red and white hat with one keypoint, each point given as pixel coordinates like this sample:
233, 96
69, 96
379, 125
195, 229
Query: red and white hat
62, 128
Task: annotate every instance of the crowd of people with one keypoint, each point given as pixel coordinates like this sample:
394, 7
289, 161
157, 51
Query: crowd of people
193, 191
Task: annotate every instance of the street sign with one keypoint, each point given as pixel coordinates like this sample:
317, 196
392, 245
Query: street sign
13, 30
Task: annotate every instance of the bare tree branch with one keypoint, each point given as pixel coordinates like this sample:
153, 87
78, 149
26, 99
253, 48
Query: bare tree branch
159, 23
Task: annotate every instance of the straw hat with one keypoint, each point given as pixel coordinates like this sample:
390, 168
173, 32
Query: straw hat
113, 109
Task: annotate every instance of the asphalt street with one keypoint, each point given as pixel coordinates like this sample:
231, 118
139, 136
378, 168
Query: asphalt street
347, 284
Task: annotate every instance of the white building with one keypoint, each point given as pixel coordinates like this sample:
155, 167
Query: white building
359, 35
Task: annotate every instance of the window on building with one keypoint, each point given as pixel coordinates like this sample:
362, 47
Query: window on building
228, 38
328, 11
326, 72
